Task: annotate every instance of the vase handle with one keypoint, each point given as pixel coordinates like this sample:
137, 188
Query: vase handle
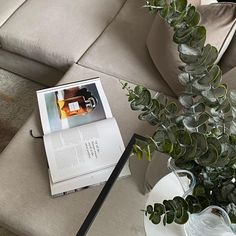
185, 178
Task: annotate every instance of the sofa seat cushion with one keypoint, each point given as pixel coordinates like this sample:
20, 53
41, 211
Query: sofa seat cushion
26, 206
57, 33
8, 8
121, 50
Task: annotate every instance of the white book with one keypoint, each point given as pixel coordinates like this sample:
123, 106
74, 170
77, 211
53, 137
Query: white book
83, 181
81, 138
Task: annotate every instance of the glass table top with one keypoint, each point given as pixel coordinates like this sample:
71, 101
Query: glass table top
118, 208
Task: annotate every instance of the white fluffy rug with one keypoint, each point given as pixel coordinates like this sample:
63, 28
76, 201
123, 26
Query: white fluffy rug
17, 101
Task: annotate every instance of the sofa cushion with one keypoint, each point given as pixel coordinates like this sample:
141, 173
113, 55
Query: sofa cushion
219, 20
57, 33
26, 206
28, 68
229, 78
8, 8
228, 61
121, 50
206, 2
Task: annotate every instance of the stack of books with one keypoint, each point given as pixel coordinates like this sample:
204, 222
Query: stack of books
81, 137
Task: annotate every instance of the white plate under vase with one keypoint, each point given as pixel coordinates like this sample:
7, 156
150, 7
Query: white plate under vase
167, 188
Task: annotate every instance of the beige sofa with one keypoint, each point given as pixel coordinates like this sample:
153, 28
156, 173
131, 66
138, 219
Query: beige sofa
31, 48
41, 40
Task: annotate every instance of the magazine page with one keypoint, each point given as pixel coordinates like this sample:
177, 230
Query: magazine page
74, 184
83, 149
72, 105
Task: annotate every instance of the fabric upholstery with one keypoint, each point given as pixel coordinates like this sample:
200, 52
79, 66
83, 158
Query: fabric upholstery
201, 2
206, 2
195, 2
26, 206
230, 78
228, 61
57, 33
29, 69
121, 50
8, 8
219, 20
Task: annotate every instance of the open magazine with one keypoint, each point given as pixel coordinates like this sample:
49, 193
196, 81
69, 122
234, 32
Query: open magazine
81, 138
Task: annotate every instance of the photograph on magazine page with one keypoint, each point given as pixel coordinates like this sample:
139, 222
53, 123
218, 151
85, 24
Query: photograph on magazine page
74, 106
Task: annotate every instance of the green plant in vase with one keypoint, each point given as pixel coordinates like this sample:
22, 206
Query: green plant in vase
201, 136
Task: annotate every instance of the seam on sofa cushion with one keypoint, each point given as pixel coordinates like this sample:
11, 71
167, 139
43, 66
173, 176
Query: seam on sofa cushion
10, 17
14, 68
95, 68
38, 45
13, 13
112, 19
118, 76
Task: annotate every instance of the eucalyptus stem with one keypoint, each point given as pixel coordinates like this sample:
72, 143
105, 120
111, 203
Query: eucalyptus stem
201, 137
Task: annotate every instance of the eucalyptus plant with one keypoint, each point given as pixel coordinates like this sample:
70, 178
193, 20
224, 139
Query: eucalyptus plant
199, 137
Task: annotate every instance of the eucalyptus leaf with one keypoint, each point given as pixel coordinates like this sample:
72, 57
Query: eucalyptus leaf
169, 217
159, 208
199, 107
208, 56
201, 87
138, 151
215, 142
169, 206
186, 100
210, 157
180, 202
171, 108
182, 36
184, 78
164, 11
220, 91
203, 118
149, 209
192, 17
190, 123
195, 70
201, 142
183, 137
213, 76
199, 190
198, 36
188, 51
155, 218
181, 5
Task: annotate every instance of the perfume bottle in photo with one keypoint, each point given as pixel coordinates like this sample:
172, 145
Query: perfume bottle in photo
77, 105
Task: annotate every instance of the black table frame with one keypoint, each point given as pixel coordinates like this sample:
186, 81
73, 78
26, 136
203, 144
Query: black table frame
107, 187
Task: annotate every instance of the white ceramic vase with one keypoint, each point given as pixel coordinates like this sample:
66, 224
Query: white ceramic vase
212, 221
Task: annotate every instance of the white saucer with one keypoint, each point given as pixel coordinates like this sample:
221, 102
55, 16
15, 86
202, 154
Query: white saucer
167, 188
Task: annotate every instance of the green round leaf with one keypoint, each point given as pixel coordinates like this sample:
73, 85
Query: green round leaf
199, 190
169, 217
155, 218
181, 217
159, 208
149, 209
169, 206
181, 5
216, 143
180, 202
183, 137
209, 158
